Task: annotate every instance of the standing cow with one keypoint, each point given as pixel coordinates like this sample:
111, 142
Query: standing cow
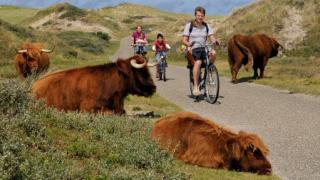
251, 51
100, 88
199, 141
32, 57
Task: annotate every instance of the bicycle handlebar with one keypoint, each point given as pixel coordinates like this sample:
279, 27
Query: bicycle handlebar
203, 45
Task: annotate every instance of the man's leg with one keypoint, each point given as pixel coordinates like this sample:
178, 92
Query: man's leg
196, 73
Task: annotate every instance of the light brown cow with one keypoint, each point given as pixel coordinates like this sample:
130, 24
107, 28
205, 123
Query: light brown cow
251, 51
199, 141
32, 57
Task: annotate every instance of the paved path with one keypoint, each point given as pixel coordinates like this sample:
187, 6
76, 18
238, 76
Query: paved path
288, 123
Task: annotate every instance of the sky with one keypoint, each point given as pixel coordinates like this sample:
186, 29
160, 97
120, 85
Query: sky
213, 7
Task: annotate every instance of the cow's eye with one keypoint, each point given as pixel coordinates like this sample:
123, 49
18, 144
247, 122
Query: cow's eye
257, 154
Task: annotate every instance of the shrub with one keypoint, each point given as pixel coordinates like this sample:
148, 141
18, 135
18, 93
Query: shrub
90, 42
128, 20
17, 30
71, 54
103, 36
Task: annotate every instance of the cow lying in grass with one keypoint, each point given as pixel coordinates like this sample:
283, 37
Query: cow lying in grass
100, 88
199, 141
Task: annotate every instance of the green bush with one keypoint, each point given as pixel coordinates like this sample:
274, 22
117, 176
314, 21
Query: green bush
70, 12
71, 54
73, 13
90, 42
103, 36
128, 20
17, 30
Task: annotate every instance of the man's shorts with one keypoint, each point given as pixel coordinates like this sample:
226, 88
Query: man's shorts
199, 53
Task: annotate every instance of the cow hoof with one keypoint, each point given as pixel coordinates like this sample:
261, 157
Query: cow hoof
234, 81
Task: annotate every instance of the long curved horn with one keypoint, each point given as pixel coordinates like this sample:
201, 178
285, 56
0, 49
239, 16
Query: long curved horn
134, 64
22, 51
47, 50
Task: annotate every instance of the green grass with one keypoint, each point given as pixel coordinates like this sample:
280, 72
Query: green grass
156, 104
16, 15
200, 173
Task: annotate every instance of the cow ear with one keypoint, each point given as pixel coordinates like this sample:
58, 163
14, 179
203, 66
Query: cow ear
233, 147
122, 66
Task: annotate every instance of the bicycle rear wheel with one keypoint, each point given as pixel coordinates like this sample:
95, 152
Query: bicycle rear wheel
212, 84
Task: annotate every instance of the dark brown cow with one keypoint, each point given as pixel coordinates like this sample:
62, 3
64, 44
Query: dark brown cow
253, 51
199, 141
32, 57
99, 88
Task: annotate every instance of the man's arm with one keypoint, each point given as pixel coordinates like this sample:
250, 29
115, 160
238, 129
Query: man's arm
185, 41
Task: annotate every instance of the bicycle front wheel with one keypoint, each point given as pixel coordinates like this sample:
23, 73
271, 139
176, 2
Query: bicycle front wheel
164, 70
212, 84
191, 82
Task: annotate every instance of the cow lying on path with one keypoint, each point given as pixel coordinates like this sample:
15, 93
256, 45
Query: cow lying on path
99, 88
199, 141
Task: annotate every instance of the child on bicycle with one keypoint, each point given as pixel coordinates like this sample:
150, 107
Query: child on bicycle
139, 41
160, 47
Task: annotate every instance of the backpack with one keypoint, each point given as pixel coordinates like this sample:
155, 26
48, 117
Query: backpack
203, 23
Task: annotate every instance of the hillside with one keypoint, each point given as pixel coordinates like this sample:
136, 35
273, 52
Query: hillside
16, 15
294, 23
66, 17
152, 20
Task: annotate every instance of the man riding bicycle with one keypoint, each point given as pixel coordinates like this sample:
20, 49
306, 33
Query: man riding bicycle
139, 41
198, 31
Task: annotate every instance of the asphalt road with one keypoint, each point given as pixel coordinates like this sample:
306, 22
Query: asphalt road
288, 123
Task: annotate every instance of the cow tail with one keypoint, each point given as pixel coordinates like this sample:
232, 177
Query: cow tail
247, 52
230, 53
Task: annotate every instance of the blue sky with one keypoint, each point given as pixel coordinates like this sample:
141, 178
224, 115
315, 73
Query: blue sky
213, 7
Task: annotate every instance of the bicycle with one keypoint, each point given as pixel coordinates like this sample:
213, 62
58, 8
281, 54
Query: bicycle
162, 65
209, 80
